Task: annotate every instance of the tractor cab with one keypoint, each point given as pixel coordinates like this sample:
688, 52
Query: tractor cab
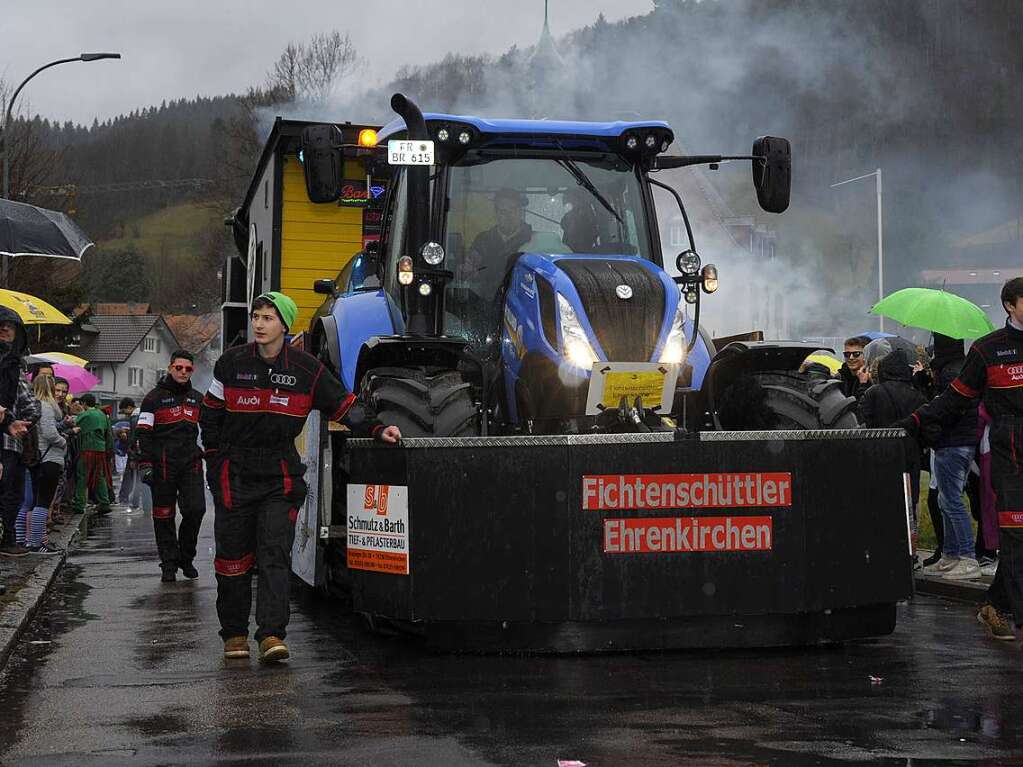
497, 200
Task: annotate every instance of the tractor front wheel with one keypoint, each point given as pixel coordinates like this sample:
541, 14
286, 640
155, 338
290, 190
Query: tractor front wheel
422, 401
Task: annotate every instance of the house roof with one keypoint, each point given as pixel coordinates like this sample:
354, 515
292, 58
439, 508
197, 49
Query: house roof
119, 336
111, 308
193, 331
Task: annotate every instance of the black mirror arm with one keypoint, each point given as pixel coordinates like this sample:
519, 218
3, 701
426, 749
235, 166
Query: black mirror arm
667, 163
681, 207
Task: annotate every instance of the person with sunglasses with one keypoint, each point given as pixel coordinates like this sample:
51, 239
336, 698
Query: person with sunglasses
853, 374
170, 462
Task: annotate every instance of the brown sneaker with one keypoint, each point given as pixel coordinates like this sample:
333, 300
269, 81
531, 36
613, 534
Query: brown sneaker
236, 647
272, 650
13, 550
996, 623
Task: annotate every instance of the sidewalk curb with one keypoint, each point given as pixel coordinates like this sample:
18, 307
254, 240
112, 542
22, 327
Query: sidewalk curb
960, 591
17, 616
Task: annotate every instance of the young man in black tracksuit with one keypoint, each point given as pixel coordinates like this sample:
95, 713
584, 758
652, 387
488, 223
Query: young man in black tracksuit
255, 408
993, 371
170, 462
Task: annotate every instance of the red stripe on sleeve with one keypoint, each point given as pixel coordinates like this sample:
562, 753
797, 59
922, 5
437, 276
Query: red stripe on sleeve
346, 405
963, 389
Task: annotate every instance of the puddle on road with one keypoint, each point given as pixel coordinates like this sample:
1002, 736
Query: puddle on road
61, 611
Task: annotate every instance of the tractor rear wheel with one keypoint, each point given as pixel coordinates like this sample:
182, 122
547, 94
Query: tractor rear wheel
789, 400
423, 402
800, 402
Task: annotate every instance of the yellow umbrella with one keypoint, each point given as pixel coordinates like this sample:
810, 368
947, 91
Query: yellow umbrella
69, 359
32, 310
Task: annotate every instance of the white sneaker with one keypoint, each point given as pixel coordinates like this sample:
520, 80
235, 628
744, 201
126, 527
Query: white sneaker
942, 565
965, 569
988, 567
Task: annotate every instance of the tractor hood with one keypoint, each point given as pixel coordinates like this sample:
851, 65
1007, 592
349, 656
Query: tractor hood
625, 305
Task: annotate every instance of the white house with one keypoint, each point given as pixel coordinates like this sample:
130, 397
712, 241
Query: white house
127, 353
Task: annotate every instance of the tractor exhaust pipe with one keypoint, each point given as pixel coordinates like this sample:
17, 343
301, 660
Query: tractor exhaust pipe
424, 312
408, 111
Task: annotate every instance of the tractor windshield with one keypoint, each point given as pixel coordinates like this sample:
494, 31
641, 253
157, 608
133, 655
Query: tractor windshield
500, 206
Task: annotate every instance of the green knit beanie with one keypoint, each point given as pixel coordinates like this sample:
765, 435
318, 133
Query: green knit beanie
287, 309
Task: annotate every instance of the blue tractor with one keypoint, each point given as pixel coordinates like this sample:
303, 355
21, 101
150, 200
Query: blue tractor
582, 468
518, 286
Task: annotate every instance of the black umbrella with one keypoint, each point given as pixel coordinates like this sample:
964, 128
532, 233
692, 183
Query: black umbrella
26, 230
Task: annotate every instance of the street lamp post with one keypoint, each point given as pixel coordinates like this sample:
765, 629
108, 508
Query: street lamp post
880, 235
6, 126
17, 91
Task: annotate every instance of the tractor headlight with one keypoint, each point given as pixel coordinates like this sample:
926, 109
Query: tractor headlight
433, 253
573, 338
674, 352
405, 270
443, 135
709, 277
688, 262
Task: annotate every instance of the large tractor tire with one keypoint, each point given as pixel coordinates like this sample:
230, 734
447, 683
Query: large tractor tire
423, 402
786, 400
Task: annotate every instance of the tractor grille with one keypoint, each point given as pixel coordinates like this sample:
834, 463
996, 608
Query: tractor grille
626, 329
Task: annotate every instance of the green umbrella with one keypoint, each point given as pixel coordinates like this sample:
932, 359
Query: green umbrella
935, 310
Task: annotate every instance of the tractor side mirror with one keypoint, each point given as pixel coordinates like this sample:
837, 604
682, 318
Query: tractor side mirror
772, 177
326, 287
322, 162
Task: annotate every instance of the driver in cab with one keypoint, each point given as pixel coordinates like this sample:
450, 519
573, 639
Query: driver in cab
501, 243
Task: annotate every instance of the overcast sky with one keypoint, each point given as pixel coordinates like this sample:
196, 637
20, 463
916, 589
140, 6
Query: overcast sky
183, 48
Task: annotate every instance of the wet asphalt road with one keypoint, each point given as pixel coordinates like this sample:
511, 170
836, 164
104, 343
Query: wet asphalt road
120, 668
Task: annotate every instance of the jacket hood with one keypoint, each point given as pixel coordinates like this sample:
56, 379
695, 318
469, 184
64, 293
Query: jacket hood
947, 350
894, 367
20, 345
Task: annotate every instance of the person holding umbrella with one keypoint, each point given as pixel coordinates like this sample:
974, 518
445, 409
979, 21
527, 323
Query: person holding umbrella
18, 410
993, 371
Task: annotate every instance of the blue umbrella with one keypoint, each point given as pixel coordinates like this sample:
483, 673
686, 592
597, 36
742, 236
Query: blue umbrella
873, 335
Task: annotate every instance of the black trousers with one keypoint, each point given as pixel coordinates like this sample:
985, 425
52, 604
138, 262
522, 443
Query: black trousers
12, 493
1006, 591
45, 479
177, 484
257, 494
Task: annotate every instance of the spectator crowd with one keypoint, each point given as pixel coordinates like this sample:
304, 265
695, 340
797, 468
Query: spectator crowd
59, 453
954, 407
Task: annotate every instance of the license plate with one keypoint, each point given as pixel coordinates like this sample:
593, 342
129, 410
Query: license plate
410, 152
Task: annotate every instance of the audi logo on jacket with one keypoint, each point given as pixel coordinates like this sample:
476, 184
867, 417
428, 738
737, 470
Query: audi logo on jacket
993, 371
168, 423
253, 403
